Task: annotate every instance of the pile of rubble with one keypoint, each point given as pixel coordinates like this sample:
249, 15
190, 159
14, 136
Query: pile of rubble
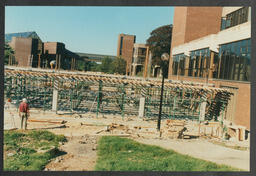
174, 129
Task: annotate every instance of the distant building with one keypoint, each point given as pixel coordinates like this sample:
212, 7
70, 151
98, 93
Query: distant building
27, 46
65, 59
30, 51
125, 49
213, 45
139, 58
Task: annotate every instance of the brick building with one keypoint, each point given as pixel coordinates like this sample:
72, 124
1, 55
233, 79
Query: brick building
139, 59
27, 46
125, 49
212, 45
30, 51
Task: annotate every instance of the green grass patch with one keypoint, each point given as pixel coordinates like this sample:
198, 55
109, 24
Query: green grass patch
30, 150
122, 154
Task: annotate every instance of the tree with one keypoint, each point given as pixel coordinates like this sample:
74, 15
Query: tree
159, 42
93, 66
106, 65
8, 51
119, 66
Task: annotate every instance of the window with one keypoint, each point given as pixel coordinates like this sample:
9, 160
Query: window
235, 18
121, 46
199, 62
142, 52
178, 66
234, 60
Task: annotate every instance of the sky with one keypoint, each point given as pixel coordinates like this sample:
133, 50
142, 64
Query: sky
87, 29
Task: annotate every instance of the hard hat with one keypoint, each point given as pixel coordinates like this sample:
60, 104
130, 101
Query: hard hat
24, 100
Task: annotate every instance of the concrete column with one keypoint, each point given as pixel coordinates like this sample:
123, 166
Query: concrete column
210, 74
153, 73
142, 107
149, 64
243, 134
55, 100
57, 62
39, 61
237, 134
59, 65
31, 60
202, 111
186, 65
134, 70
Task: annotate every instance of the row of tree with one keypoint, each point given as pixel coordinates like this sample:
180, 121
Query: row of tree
108, 65
8, 52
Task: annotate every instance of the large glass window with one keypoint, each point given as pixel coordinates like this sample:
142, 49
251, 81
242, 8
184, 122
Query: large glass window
178, 66
199, 62
235, 18
142, 51
234, 60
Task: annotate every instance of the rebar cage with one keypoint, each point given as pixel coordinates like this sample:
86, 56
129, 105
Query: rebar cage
100, 94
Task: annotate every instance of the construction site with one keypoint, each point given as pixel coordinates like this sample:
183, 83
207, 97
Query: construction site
84, 106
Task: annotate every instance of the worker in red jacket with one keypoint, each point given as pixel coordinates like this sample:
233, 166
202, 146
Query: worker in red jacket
24, 112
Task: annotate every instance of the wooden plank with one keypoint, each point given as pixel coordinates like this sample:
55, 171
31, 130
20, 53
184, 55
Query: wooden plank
46, 121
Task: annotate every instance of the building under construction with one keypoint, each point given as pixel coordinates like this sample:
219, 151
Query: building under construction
108, 94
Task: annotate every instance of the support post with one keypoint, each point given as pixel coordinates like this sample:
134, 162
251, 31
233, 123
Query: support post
55, 100
55, 96
99, 98
44, 97
123, 96
161, 101
145, 74
142, 107
59, 65
57, 62
71, 99
39, 61
202, 111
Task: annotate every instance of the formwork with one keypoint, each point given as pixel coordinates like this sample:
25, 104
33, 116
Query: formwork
106, 94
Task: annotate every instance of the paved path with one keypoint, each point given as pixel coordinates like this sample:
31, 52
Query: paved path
205, 150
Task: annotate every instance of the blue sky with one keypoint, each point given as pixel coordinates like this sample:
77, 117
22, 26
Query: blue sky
87, 29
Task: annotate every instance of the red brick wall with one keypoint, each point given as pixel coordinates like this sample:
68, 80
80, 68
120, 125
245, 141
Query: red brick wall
202, 21
23, 49
51, 47
242, 105
179, 26
127, 49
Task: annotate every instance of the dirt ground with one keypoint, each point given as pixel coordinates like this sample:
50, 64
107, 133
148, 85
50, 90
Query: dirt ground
84, 130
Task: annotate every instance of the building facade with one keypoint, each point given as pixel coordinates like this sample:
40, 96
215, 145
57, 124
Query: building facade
28, 48
215, 48
125, 49
139, 59
30, 51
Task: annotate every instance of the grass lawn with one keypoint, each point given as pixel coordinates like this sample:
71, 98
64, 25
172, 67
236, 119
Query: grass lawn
122, 154
30, 150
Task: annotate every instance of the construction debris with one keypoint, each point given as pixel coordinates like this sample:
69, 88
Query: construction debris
174, 129
47, 121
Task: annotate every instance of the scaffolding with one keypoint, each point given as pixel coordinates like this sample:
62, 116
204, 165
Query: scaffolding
114, 95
